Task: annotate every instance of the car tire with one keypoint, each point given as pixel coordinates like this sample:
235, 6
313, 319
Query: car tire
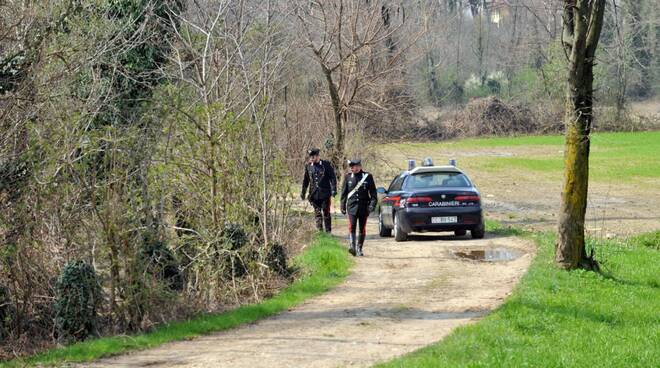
460, 232
383, 231
399, 234
478, 232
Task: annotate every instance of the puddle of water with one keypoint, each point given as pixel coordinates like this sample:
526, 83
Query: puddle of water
490, 255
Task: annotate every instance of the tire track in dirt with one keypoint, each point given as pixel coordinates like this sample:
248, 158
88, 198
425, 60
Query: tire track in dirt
399, 297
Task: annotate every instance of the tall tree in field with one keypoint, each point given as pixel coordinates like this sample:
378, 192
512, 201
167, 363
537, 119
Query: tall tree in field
640, 47
583, 20
353, 42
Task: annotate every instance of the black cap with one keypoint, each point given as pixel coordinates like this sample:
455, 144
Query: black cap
313, 151
355, 161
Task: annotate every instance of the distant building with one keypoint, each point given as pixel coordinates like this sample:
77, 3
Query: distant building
498, 10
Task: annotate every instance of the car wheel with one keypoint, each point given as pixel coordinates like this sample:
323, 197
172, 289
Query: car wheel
383, 231
399, 235
460, 232
478, 232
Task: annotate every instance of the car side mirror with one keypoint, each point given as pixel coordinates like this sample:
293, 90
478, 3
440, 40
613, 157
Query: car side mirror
381, 190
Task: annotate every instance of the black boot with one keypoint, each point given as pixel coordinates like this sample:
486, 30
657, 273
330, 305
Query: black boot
319, 223
327, 222
360, 244
351, 248
318, 215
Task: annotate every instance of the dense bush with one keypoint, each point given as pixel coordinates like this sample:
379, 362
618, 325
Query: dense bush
234, 236
608, 119
491, 116
12, 174
235, 265
78, 295
86, 176
6, 312
160, 262
276, 259
233, 255
490, 85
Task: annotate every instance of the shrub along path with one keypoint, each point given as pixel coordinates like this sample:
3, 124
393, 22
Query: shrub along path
324, 264
399, 297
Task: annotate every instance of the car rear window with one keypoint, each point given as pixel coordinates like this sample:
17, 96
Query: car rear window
396, 183
436, 180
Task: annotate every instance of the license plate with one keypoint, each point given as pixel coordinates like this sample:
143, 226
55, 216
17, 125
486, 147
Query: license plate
444, 220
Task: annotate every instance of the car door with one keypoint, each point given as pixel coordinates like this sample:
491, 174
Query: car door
391, 200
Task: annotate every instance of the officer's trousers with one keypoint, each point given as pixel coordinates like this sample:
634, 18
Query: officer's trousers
322, 214
358, 221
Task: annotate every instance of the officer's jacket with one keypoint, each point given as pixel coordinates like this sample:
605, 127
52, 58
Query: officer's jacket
364, 198
321, 180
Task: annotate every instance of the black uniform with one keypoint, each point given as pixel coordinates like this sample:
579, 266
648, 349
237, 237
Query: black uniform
322, 183
358, 205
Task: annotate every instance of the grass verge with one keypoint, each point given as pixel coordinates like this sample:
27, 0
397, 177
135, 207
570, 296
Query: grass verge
324, 264
565, 319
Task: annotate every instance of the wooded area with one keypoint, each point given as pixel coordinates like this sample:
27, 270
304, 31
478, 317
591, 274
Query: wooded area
147, 148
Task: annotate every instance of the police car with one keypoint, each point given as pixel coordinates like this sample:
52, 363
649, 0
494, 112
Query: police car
430, 198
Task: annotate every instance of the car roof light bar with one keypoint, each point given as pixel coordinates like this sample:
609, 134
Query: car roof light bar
411, 164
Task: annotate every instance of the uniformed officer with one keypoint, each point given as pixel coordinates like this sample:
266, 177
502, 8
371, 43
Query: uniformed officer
320, 178
358, 199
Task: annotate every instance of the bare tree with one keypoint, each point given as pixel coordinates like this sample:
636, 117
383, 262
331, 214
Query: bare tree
354, 44
620, 58
640, 46
583, 20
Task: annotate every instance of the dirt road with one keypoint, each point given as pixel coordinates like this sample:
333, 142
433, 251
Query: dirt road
399, 297
612, 209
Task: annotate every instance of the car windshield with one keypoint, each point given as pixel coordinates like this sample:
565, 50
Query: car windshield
437, 179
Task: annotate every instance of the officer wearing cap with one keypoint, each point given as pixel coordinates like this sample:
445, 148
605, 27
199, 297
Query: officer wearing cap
320, 178
358, 200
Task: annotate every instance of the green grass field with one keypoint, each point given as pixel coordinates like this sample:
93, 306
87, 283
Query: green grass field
324, 264
624, 157
566, 319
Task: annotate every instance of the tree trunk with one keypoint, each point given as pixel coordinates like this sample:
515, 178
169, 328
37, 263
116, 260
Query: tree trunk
621, 66
640, 47
570, 246
435, 94
337, 156
583, 21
